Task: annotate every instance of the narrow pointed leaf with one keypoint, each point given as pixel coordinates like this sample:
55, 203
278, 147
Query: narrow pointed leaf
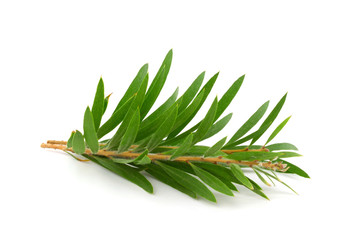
134, 86
190, 93
78, 143
281, 146
215, 148
255, 185
106, 103
277, 130
157, 84
144, 153
188, 181
90, 132
126, 172
211, 180
188, 112
229, 96
277, 179
250, 123
163, 130
115, 140
239, 174
145, 132
183, 148
70, 140
115, 119
269, 120
157, 113
251, 156
131, 133
260, 193
219, 171
122, 160
261, 178
162, 176
206, 123
218, 126
206, 89
144, 161
98, 105
295, 169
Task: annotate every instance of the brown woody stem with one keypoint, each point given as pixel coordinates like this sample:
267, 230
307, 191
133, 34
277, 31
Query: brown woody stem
263, 149
52, 144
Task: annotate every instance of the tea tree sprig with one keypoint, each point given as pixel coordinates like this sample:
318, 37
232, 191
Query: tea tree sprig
158, 144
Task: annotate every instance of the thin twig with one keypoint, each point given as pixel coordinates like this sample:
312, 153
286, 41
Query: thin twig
154, 157
228, 151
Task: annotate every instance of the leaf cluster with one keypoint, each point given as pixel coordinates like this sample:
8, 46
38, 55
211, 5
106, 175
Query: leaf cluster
160, 144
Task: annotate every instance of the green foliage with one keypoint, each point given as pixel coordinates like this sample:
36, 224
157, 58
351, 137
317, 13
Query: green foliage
131, 132
90, 131
239, 174
99, 104
78, 143
188, 181
158, 143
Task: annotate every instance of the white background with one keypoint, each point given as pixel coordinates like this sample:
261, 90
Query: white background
53, 53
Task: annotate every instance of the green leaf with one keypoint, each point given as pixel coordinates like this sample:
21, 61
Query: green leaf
277, 130
70, 140
215, 148
124, 171
134, 86
251, 156
277, 179
211, 180
98, 105
188, 181
115, 140
186, 113
106, 103
158, 113
289, 154
115, 119
157, 84
183, 166
229, 96
190, 93
295, 169
260, 193
184, 147
145, 132
142, 159
219, 171
160, 174
281, 146
90, 132
162, 131
206, 123
255, 185
218, 126
144, 153
239, 174
122, 160
145, 160
78, 143
249, 124
206, 89
269, 120
261, 178
131, 133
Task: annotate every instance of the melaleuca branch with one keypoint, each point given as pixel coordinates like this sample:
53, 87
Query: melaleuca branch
159, 144
61, 145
